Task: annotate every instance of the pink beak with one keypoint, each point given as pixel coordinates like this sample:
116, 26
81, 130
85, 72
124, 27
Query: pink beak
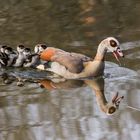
118, 53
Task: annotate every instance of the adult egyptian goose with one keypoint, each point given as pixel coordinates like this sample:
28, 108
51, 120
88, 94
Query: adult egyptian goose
74, 65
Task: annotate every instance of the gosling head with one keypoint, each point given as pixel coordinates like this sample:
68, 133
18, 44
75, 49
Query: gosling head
39, 48
27, 52
2, 48
20, 48
9, 50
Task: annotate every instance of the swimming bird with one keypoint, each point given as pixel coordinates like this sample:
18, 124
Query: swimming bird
11, 54
34, 59
39, 48
74, 65
3, 56
2, 48
7, 55
23, 54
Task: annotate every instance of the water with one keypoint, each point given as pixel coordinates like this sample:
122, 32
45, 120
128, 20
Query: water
71, 110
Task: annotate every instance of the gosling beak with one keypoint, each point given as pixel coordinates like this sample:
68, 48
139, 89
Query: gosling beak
118, 53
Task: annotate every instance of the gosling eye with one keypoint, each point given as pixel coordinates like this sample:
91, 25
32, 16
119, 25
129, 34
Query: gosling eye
113, 43
21, 46
43, 46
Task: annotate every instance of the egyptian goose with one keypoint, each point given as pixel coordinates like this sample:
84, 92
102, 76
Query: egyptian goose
74, 65
3, 56
23, 54
34, 59
7, 55
2, 48
11, 56
39, 48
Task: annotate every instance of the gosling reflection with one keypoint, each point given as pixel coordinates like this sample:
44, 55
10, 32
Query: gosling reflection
9, 79
6, 79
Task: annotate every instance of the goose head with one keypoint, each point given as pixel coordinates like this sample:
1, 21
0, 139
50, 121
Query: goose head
111, 44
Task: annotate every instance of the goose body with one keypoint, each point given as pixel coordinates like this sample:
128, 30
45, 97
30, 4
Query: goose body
74, 65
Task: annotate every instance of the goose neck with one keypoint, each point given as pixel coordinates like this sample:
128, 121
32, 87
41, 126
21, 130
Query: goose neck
101, 51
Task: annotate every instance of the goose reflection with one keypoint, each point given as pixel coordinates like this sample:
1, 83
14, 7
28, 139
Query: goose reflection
109, 107
97, 86
61, 83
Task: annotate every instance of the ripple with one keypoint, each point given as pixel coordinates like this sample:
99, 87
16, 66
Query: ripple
134, 55
130, 45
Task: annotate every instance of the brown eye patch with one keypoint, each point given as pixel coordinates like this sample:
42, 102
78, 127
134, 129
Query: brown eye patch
112, 110
113, 43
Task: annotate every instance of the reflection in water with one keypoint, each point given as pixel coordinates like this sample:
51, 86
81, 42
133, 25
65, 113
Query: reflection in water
56, 115
97, 86
67, 111
107, 107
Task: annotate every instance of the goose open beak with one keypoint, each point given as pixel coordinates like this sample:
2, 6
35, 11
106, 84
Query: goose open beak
118, 53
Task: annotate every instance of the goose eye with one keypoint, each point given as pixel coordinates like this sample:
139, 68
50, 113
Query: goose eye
113, 43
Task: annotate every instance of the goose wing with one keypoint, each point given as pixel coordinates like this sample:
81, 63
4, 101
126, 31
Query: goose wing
74, 62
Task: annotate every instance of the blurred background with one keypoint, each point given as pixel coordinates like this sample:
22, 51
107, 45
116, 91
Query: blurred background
70, 111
